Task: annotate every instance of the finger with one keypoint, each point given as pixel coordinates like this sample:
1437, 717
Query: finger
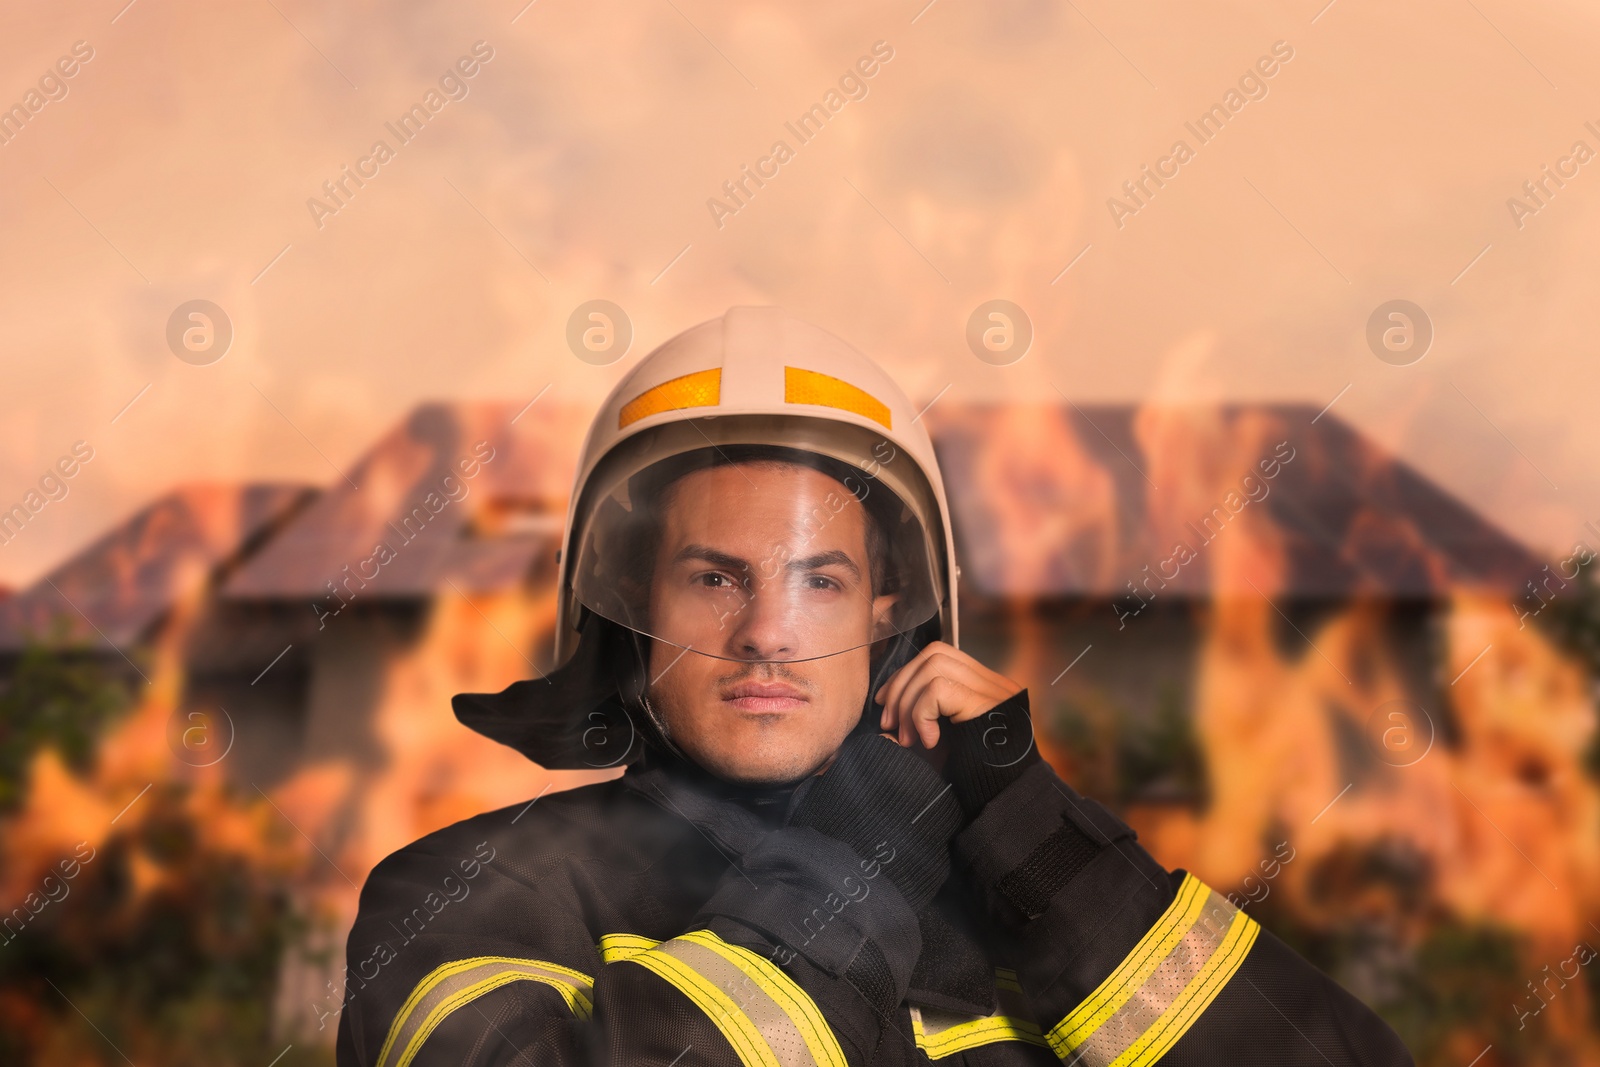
947, 662
931, 704
896, 682
908, 679
922, 704
904, 726
889, 693
914, 701
936, 657
975, 675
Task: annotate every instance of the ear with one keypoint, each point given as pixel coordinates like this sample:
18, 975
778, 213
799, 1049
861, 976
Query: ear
883, 617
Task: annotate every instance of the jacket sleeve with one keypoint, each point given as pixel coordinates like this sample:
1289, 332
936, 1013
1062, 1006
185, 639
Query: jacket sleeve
506, 971
1123, 961
452, 959
800, 956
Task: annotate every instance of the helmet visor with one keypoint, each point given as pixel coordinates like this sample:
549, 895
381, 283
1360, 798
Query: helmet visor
759, 551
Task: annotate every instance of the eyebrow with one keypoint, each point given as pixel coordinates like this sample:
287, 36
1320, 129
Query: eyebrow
710, 555
833, 557
706, 554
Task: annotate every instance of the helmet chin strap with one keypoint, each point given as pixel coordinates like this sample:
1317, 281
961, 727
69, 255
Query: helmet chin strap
639, 699
902, 648
899, 650
593, 712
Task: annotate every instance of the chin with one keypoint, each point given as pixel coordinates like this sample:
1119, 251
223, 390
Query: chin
775, 768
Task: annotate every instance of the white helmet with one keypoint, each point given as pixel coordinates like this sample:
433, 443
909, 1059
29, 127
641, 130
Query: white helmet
721, 400
757, 385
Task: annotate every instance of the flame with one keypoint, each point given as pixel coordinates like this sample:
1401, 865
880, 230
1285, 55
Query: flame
1483, 784
1486, 785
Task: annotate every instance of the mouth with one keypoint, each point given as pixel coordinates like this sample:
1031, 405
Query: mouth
764, 697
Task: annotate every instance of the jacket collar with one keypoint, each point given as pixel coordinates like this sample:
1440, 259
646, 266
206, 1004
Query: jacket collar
954, 972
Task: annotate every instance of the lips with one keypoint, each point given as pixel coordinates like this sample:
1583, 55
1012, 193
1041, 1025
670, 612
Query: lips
764, 696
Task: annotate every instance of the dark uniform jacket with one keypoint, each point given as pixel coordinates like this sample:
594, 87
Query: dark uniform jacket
879, 913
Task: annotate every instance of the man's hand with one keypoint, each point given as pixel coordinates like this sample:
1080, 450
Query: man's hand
941, 682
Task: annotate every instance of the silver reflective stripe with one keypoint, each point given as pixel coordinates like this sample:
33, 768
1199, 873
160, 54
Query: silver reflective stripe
1163, 985
452, 985
766, 1017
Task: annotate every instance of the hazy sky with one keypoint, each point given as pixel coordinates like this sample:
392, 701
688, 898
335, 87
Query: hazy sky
1374, 164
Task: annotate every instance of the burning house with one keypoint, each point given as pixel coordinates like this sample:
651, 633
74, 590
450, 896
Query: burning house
1249, 627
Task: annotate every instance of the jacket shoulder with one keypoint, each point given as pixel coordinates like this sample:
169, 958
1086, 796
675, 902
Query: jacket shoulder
603, 823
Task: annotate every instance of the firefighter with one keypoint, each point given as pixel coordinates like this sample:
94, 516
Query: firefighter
834, 841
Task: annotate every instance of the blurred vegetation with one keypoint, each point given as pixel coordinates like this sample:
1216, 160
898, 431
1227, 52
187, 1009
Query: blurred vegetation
165, 948
1449, 988
59, 697
1120, 757
1572, 620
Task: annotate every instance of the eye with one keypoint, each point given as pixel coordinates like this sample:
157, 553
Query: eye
821, 582
716, 580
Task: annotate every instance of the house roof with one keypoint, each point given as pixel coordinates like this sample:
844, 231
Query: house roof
480, 533
112, 592
1048, 501
1077, 501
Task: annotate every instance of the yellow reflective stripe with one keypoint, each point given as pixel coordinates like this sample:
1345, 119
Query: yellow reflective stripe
941, 1033
774, 1023
1121, 984
810, 387
466, 995
795, 1002
1142, 1009
941, 1041
737, 1027
701, 389
451, 985
614, 947
1196, 997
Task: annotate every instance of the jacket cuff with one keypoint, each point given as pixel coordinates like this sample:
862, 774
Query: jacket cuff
1032, 840
990, 752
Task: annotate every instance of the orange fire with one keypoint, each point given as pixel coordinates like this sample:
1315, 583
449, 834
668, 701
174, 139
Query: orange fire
1485, 786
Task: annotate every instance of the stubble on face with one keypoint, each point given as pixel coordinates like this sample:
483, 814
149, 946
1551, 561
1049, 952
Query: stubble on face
691, 689
752, 747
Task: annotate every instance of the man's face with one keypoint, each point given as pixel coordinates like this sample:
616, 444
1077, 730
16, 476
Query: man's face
761, 568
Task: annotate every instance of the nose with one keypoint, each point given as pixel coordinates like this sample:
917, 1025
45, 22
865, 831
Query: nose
766, 627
